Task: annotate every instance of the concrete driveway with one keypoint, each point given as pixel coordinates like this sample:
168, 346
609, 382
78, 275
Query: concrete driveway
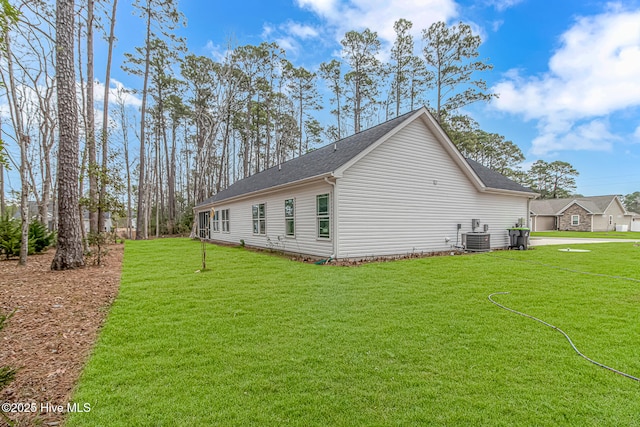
543, 241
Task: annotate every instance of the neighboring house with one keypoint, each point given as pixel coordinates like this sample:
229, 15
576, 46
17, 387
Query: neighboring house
597, 213
400, 187
108, 223
33, 213
635, 221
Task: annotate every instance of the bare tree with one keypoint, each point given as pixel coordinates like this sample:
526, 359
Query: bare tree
23, 140
105, 120
163, 14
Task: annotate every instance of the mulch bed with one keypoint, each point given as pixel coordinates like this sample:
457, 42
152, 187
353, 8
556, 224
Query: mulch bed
57, 318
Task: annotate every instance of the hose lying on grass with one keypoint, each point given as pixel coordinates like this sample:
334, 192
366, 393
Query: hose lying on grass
563, 333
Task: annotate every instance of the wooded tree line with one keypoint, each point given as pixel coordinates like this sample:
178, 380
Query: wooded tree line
195, 125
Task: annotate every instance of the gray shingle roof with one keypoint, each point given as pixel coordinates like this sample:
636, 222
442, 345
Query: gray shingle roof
493, 179
593, 204
322, 161
330, 157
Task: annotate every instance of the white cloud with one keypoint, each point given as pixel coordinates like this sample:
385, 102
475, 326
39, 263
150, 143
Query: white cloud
593, 136
116, 89
300, 30
593, 74
217, 52
501, 5
379, 15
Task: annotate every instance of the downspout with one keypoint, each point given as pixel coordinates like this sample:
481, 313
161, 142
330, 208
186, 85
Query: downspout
334, 205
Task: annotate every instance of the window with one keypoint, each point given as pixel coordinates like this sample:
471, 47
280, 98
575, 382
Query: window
259, 215
575, 219
322, 216
289, 217
203, 223
224, 214
610, 219
216, 222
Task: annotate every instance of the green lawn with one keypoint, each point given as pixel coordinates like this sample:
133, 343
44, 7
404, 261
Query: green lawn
261, 340
588, 234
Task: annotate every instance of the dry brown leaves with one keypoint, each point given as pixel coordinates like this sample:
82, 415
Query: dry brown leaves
55, 324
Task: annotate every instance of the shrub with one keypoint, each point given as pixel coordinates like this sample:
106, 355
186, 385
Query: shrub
7, 374
10, 236
40, 237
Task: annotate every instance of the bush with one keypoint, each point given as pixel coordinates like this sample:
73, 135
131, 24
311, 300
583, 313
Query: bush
40, 237
10, 236
7, 374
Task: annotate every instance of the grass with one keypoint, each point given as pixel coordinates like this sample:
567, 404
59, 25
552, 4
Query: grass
265, 341
588, 234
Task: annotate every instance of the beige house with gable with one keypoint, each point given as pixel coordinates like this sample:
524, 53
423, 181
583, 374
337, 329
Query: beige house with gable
596, 213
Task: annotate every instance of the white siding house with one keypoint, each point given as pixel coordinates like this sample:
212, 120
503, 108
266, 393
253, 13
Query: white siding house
397, 188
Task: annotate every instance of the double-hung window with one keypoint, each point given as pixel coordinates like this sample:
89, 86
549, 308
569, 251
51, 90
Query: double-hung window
575, 220
323, 217
224, 214
289, 217
216, 222
259, 215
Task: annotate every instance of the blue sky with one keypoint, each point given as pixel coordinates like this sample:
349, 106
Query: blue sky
567, 71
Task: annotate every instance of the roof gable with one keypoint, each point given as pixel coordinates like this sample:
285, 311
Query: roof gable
316, 163
333, 159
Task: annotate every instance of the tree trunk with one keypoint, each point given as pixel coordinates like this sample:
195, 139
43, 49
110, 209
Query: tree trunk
91, 131
141, 228
24, 200
1, 178
1, 189
22, 141
69, 249
105, 123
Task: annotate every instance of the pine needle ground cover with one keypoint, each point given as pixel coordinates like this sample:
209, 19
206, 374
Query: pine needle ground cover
262, 340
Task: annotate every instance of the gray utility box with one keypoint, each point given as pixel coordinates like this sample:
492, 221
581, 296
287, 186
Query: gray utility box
519, 238
476, 242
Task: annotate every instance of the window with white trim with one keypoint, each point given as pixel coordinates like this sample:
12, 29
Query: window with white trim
289, 217
224, 214
610, 219
259, 215
575, 220
323, 217
215, 222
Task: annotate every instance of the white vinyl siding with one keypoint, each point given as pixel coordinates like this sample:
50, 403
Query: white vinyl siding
408, 195
305, 241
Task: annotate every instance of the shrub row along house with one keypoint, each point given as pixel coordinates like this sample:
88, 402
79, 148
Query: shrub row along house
596, 213
397, 188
